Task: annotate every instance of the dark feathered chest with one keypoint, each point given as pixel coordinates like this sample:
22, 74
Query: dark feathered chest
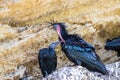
47, 53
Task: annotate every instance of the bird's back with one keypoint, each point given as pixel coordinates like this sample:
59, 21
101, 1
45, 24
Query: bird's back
79, 51
113, 44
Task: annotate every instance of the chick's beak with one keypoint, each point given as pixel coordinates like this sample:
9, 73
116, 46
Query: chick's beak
56, 43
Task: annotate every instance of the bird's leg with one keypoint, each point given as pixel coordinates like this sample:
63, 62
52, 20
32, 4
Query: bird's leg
46, 74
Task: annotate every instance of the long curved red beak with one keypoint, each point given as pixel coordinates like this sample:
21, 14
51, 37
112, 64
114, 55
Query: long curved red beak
58, 31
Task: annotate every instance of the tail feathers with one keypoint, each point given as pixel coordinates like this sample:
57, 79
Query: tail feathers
96, 66
101, 68
104, 71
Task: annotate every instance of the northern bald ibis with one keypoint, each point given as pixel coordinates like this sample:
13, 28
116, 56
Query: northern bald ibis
47, 59
78, 50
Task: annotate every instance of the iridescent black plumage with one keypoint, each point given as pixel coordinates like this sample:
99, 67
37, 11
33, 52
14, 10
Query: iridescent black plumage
113, 44
78, 50
47, 59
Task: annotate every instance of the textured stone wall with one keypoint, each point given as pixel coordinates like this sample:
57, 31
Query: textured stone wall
80, 73
24, 29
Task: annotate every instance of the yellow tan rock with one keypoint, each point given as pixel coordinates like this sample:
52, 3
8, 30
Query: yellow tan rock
92, 19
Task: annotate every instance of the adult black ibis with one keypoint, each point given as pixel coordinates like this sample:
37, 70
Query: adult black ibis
78, 50
113, 44
47, 59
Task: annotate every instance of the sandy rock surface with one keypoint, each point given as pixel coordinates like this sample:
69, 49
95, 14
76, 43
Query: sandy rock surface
24, 30
80, 73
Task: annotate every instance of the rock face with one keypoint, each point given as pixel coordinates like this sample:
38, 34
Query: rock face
80, 73
72, 73
24, 29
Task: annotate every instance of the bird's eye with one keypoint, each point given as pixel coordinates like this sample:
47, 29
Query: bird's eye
55, 26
